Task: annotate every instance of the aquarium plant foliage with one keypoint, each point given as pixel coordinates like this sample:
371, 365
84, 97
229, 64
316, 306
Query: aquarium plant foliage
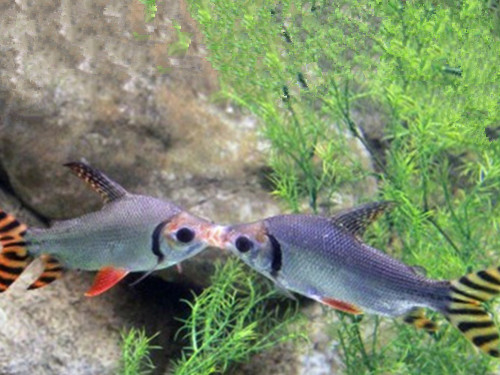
416, 84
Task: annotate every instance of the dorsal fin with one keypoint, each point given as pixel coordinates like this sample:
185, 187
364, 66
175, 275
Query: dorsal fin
356, 220
103, 185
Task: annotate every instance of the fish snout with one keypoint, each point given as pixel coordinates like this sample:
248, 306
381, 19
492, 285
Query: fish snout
216, 236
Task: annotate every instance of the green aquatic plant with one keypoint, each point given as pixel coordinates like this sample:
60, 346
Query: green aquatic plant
136, 350
150, 9
237, 316
314, 73
180, 47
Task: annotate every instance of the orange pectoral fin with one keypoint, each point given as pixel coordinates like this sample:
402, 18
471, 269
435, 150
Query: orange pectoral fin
105, 279
341, 306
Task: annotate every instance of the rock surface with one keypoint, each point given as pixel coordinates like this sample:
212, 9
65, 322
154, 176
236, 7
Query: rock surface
90, 79
76, 82
80, 80
318, 356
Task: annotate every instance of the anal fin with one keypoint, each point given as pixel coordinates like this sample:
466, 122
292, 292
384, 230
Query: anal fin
417, 318
51, 272
341, 305
105, 279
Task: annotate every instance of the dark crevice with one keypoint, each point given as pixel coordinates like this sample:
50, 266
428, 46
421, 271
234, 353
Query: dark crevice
6, 187
492, 132
165, 298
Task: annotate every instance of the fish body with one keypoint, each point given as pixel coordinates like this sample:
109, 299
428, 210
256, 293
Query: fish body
130, 233
118, 234
321, 260
325, 259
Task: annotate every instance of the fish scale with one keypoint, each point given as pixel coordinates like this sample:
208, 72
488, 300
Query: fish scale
109, 236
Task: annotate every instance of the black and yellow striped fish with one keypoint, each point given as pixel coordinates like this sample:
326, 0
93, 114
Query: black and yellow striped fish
14, 257
465, 311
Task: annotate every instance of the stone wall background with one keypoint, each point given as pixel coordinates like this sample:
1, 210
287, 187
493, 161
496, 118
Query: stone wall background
79, 80
75, 83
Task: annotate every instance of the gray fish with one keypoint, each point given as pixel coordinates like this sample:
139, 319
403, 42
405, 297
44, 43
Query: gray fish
130, 233
325, 259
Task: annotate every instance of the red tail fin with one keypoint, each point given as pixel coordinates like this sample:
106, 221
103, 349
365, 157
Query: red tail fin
14, 257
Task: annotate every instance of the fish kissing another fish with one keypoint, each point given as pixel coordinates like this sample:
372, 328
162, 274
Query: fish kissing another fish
325, 259
322, 258
130, 233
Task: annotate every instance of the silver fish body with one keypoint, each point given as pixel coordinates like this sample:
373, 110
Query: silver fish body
325, 259
322, 260
130, 233
120, 234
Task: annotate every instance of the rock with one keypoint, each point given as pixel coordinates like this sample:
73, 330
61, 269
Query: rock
76, 82
319, 356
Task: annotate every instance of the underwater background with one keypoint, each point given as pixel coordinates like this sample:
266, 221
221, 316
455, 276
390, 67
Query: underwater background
239, 111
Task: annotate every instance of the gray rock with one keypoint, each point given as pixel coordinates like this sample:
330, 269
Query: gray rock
318, 356
76, 83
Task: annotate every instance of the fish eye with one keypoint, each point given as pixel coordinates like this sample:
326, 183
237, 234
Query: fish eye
185, 235
243, 244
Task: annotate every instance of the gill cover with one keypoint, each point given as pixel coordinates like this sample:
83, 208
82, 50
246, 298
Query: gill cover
181, 234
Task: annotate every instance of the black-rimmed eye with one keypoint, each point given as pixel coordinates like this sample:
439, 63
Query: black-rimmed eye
184, 235
243, 244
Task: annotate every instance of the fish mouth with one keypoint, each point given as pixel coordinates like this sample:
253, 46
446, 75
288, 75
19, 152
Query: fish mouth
216, 236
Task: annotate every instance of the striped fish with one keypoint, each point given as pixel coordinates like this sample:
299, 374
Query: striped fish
130, 233
325, 259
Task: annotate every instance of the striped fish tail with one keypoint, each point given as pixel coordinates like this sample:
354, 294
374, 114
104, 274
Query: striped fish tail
52, 270
465, 311
417, 318
14, 257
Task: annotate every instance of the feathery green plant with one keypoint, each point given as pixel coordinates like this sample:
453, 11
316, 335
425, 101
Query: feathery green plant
311, 71
150, 9
231, 320
136, 349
